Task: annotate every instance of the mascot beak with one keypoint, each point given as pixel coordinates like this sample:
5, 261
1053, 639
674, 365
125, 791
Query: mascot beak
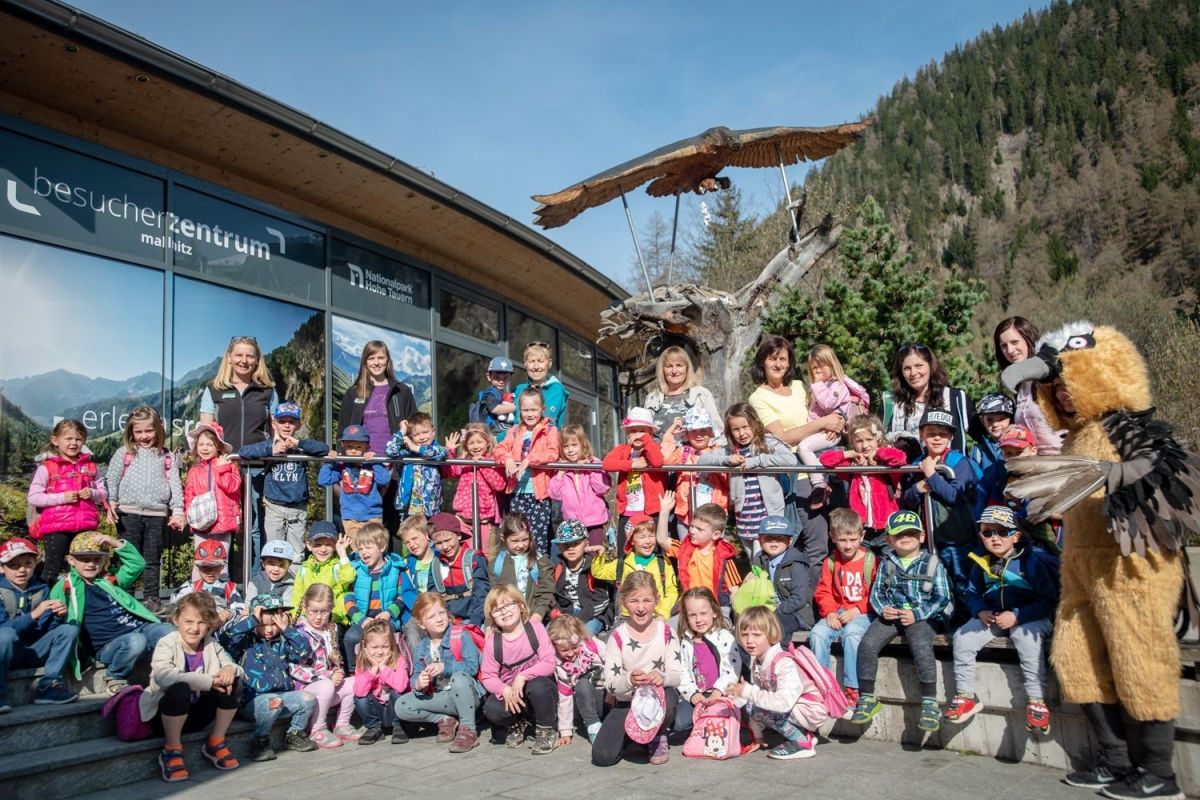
1043, 367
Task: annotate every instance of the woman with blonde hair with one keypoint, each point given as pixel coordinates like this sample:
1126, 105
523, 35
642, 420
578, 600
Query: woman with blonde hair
679, 387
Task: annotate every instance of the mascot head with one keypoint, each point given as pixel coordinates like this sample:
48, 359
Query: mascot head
1098, 368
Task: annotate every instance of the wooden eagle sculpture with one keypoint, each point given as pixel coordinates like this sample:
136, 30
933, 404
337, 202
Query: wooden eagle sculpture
691, 165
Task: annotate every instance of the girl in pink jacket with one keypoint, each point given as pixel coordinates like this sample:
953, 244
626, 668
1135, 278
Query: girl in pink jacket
380, 678
830, 392
212, 472
477, 443
581, 492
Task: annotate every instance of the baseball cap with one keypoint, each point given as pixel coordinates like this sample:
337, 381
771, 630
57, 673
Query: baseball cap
500, 364
17, 546
999, 515
355, 433
936, 416
321, 529
268, 602
278, 548
287, 410
639, 417
1017, 436
776, 526
444, 521
697, 419
901, 521
996, 404
211, 554
570, 531
88, 544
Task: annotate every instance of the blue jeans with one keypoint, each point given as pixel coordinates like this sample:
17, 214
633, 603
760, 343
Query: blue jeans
594, 626
375, 714
123, 653
267, 708
851, 633
52, 650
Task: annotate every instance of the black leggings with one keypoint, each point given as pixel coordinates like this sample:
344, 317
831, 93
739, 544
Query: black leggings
177, 702
54, 553
541, 702
146, 534
610, 741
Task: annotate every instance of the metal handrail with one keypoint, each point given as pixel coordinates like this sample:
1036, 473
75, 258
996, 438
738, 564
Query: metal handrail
247, 518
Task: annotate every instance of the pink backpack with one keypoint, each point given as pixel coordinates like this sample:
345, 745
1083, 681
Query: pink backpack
828, 692
125, 711
716, 732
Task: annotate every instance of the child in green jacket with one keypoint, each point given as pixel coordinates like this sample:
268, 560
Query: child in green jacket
323, 566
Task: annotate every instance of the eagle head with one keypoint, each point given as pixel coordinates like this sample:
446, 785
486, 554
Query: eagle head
1099, 366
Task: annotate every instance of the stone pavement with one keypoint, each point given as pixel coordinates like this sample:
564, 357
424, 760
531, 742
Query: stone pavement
862, 770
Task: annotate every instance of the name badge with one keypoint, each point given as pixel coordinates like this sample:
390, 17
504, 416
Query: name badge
229, 395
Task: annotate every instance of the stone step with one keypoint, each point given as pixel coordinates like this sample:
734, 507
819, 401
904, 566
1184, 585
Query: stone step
22, 683
33, 727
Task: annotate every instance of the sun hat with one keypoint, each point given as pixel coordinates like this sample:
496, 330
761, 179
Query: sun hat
647, 711
639, 417
697, 419
216, 430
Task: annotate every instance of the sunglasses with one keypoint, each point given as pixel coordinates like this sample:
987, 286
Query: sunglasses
539, 344
243, 339
1004, 534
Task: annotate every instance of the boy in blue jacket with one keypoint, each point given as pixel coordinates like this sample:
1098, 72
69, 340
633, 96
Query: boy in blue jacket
993, 418
1012, 591
376, 589
285, 488
420, 489
265, 646
361, 497
31, 629
953, 533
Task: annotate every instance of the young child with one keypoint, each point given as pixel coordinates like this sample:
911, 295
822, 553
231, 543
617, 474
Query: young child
910, 596
639, 483
328, 562
275, 574
1018, 442
476, 443
789, 574
583, 493
872, 496
1012, 591
518, 672
267, 647
418, 564
285, 488
375, 594
642, 660
323, 675
538, 360
459, 573
444, 688
65, 495
113, 627
704, 558
145, 495
842, 597
496, 408
360, 486
193, 683
515, 563
31, 629
533, 442
210, 560
710, 661
578, 669
753, 497
779, 696
380, 679
994, 416
577, 592
831, 392
641, 554
420, 488
709, 487
217, 483
953, 499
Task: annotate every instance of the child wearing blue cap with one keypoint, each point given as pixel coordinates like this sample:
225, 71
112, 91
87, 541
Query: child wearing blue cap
328, 562
789, 573
361, 497
495, 406
285, 488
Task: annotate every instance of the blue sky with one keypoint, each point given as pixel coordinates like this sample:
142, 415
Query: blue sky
505, 100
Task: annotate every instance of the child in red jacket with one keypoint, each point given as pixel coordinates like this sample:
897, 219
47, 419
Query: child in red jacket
639, 484
212, 473
872, 497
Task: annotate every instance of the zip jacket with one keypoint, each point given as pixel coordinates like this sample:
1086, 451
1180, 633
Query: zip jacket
430, 497
543, 449
1026, 583
226, 480
904, 589
335, 573
361, 497
358, 598
266, 663
583, 495
620, 461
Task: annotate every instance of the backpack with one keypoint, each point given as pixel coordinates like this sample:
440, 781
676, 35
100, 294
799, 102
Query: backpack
716, 732
167, 464
230, 588
498, 567
868, 567
828, 691
926, 578
9, 598
124, 708
559, 569
498, 648
478, 411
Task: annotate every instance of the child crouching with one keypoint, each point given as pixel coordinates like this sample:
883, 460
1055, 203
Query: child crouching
380, 678
578, 670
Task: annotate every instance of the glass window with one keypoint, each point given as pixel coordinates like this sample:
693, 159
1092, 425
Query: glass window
368, 284
460, 377
608, 427
579, 412
577, 357
522, 330
606, 380
467, 316
410, 359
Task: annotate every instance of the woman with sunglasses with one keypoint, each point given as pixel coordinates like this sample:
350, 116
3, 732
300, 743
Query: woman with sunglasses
1014, 340
538, 360
918, 382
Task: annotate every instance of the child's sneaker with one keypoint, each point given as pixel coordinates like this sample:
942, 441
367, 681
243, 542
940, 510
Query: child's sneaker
516, 734
399, 735
371, 736
866, 709
660, 750
962, 708
465, 740
170, 761
53, 695
220, 755
851, 701
347, 733
325, 739
800, 748
447, 728
260, 749
1037, 717
114, 686
296, 740
544, 739
930, 719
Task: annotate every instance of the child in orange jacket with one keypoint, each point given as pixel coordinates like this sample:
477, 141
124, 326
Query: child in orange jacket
533, 441
713, 487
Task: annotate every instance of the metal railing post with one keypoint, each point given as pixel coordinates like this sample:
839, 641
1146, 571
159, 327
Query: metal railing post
475, 532
247, 525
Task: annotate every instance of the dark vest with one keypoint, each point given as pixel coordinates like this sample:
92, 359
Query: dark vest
245, 417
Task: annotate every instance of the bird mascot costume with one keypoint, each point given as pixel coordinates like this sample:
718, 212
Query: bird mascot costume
1127, 493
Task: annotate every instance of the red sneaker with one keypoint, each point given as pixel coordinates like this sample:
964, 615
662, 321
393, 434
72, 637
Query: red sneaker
962, 708
851, 695
1037, 717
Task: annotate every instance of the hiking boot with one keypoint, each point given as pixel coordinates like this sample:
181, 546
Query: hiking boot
296, 740
371, 736
930, 719
220, 755
804, 747
170, 761
347, 733
114, 685
54, 695
446, 730
516, 734
465, 740
260, 749
1096, 778
1037, 717
1139, 784
325, 739
962, 708
660, 751
866, 709
544, 739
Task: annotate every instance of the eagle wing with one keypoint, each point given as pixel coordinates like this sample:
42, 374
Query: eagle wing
762, 147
